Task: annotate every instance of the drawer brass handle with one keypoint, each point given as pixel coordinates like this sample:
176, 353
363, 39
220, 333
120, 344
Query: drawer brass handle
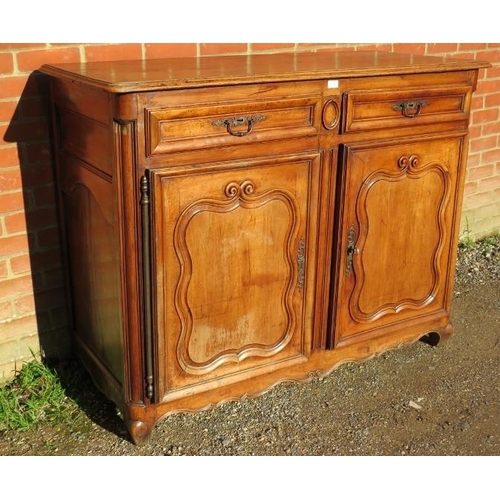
239, 121
410, 109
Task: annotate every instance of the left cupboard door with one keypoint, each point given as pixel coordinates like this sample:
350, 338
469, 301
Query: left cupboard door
232, 284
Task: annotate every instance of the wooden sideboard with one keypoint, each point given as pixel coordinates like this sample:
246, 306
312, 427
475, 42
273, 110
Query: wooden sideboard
233, 222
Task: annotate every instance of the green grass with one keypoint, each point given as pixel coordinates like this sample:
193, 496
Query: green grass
487, 242
37, 396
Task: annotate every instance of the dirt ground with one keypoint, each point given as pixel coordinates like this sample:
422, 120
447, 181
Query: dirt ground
417, 400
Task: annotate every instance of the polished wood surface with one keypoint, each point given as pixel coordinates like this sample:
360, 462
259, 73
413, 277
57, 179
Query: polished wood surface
234, 222
395, 244
161, 74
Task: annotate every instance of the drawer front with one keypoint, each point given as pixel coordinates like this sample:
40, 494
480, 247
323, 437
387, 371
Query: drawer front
205, 126
367, 110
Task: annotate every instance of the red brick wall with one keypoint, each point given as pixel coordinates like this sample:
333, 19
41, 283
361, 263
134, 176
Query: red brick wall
33, 306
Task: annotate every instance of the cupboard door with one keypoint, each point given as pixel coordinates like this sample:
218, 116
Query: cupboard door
396, 248
231, 270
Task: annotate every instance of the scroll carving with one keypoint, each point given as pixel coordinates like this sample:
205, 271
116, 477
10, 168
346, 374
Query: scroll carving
407, 162
410, 171
243, 202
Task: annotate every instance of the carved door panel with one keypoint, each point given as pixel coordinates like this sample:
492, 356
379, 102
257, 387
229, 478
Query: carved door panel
231, 270
395, 246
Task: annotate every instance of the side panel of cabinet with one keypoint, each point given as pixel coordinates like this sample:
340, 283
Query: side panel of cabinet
233, 247
397, 214
91, 239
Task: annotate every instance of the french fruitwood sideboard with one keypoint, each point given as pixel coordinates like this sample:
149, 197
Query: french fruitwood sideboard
233, 222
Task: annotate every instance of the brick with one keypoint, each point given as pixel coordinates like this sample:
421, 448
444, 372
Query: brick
475, 131
35, 176
486, 213
488, 55
491, 100
483, 227
5, 311
3, 269
488, 86
477, 101
17, 46
40, 153
117, 52
492, 128
493, 72
483, 116
37, 85
14, 244
25, 305
472, 46
12, 86
54, 278
222, 48
269, 47
48, 238
410, 48
37, 130
434, 48
35, 107
44, 196
44, 301
491, 156
40, 218
28, 345
7, 110
338, 47
11, 202
20, 285
6, 63
7, 370
473, 160
15, 223
489, 185
480, 172
9, 350
20, 349
160, 50
59, 317
10, 179
45, 259
379, 46
470, 188
20, 264
480, 199
482, 143
4, 140
34, 59
9, 157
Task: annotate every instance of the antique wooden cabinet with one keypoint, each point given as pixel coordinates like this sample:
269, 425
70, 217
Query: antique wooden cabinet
233, 222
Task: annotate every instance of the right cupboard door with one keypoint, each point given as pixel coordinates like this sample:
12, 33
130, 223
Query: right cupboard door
396, 246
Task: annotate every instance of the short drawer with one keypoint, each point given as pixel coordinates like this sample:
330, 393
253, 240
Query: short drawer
371, 110
204, 126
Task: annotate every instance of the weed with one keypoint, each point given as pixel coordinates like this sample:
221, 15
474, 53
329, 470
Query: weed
35, 396
466, 240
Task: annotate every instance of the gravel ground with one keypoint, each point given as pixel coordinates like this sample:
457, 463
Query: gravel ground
418, 400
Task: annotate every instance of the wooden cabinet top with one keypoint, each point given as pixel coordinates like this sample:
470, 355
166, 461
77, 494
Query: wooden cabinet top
162, 74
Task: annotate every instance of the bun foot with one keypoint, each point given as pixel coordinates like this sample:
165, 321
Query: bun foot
438, 336
139, 431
